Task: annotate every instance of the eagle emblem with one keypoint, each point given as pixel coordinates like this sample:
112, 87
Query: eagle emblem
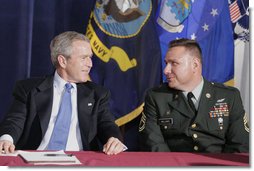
122, 18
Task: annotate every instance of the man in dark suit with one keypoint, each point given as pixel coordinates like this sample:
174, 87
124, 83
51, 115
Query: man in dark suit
190, 114
32, 118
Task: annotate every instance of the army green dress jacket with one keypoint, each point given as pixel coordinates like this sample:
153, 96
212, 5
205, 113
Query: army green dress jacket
169, 124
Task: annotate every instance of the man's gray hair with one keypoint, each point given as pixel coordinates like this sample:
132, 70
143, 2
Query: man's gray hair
62, 45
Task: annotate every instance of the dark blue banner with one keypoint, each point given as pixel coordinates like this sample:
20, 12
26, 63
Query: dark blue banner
128, 58
127, 53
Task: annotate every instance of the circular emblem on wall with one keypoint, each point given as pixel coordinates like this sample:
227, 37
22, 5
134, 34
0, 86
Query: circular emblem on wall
122, 18
173, 13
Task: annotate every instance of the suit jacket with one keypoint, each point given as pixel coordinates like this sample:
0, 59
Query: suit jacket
29, 115
169, 124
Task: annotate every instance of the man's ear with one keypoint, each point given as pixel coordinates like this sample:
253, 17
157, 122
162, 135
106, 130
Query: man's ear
62, 61
196, 63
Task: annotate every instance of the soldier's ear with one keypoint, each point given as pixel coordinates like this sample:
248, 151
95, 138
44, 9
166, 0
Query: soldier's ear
196, 63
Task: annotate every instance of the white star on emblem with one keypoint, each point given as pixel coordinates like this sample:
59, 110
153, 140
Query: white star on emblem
205, 27
214, 12
193, 36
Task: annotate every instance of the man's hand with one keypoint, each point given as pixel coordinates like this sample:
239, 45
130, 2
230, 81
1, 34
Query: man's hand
113, 146
6, 147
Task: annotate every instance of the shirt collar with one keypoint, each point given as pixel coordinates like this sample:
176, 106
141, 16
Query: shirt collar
196, 91
59, 83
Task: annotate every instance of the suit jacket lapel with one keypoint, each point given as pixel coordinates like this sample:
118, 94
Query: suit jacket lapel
179, 103
85, 107
206, 99
44, 101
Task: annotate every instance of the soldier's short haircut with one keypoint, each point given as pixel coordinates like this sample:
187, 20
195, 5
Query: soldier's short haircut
190, 45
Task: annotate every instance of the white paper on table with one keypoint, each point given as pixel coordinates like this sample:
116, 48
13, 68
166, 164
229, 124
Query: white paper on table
16, 153
41, 158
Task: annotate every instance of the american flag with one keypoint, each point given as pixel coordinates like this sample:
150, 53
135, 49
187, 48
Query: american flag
235, 13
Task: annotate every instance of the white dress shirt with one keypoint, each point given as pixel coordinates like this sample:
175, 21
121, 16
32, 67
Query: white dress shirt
74, 142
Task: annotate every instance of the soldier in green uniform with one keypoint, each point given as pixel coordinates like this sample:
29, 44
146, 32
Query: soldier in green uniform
190, 114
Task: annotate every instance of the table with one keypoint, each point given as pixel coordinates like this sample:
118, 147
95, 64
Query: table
146, 159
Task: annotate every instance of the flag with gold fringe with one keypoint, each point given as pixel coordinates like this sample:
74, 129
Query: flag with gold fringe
127, 56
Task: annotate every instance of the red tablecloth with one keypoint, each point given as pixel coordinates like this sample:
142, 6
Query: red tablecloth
145, 159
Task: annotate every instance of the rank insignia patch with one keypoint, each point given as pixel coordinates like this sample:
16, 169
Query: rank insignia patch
245, 122
142, 122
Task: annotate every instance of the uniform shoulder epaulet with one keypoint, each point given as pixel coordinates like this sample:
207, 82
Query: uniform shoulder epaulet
163, 88
220, 85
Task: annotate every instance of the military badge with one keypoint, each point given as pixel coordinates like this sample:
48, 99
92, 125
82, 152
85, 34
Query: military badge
220, 122
219, 110
208, 95
220, 100
168, 112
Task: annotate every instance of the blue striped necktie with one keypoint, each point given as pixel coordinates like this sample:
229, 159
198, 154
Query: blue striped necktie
60, 132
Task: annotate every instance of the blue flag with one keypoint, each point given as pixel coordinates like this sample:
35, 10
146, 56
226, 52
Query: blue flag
127, 54
206, 21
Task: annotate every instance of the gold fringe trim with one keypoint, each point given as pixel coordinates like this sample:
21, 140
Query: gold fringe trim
230, 83
130, 116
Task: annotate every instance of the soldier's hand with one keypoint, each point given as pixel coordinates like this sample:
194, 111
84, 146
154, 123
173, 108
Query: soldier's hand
7, 147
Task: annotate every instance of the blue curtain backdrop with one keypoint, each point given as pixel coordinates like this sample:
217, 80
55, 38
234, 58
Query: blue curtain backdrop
26, 28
